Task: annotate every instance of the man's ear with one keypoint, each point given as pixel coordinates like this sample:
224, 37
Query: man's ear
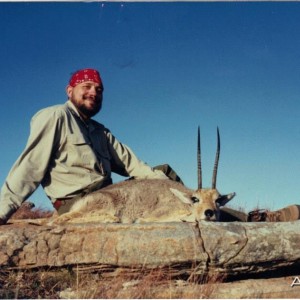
69, 90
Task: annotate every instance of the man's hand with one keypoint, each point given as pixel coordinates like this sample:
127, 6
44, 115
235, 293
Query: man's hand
2, 222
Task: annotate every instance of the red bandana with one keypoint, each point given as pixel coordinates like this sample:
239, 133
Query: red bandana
85, 75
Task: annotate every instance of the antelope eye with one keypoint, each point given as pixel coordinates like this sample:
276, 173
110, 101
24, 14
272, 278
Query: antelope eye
195, 199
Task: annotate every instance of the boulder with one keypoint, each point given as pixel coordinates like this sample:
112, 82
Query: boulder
205, 259
183, 248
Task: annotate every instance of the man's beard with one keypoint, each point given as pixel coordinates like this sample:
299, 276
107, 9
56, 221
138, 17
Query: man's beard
89, 112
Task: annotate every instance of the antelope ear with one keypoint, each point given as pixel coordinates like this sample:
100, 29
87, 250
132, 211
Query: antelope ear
223, 200
182, 196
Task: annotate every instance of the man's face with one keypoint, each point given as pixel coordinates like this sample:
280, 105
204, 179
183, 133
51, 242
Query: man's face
87, 97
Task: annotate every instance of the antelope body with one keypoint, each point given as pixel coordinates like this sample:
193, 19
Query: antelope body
150, 200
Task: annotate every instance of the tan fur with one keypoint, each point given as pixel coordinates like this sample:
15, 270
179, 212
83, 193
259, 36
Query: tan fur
137, 201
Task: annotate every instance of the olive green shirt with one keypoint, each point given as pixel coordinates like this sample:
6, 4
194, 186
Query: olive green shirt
65, 155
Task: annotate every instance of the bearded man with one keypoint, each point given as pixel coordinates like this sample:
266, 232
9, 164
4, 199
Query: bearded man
70, 154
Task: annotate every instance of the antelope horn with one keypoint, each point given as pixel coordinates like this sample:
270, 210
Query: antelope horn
214, 179
199, 161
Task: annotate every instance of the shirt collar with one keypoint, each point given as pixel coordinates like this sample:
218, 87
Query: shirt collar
73, 108
75, 112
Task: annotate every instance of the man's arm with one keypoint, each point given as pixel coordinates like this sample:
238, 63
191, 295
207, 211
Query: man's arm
30, 168
125, 162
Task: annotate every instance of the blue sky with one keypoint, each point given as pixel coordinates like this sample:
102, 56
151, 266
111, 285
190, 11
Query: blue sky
167, 68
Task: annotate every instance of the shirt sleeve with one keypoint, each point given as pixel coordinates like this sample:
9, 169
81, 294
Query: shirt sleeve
124, 162
31, 166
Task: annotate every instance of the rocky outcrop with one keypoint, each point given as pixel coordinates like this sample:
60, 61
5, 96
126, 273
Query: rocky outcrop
266, 256
231, 248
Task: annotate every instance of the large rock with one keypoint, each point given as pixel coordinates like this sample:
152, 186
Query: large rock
231, 248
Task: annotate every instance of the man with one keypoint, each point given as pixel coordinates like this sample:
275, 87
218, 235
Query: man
70, 154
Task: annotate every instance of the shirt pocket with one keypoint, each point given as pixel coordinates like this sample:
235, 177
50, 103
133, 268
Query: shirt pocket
80, 152
78, 140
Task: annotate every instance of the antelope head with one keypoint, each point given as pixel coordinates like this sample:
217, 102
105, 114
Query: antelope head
206, 202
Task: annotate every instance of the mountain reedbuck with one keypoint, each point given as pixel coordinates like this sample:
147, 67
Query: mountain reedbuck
151, 200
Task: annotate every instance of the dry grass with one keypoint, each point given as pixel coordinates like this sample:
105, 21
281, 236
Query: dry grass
28, 212
31, 284
71, 284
